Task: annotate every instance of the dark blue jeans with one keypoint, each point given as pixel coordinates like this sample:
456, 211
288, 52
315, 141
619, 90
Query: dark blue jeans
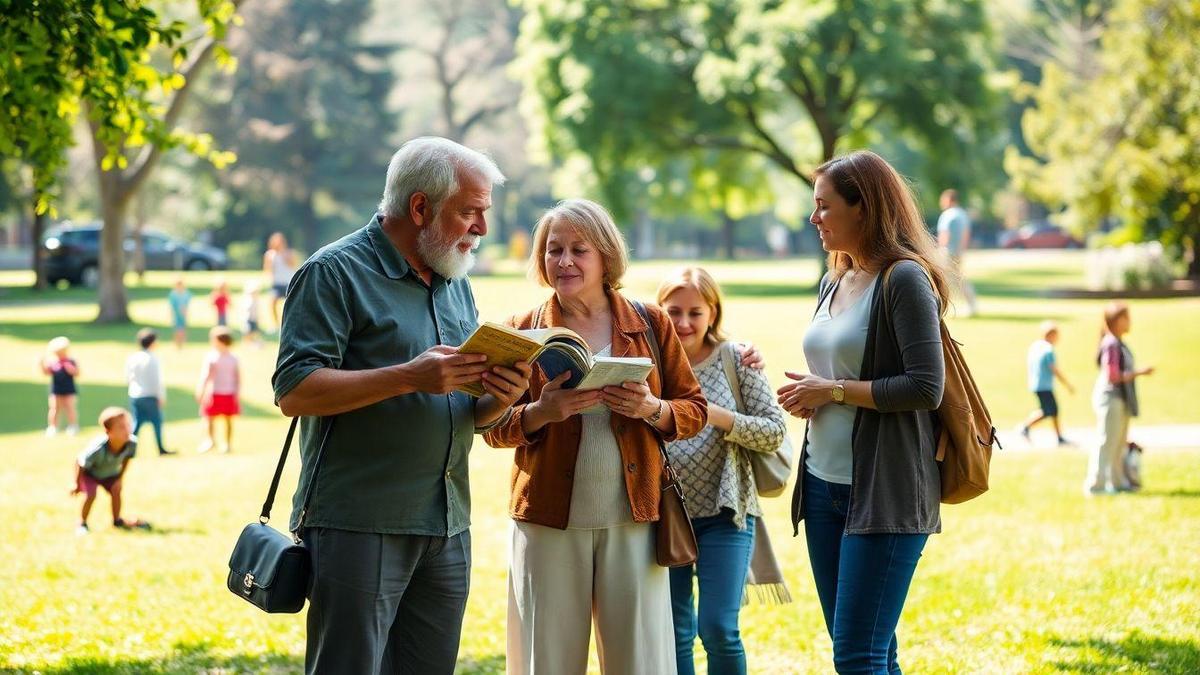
146, 410
862, 579
724, 556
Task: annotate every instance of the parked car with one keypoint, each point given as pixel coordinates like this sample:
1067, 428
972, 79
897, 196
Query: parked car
1041, 235
73, 253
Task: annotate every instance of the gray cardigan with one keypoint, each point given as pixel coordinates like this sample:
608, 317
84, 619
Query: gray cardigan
896, 486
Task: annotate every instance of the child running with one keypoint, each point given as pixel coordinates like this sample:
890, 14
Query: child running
217, 390
62, 370
1043, 369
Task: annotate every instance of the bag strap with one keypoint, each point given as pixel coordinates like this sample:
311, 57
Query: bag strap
735, 384
652, 338
265, 516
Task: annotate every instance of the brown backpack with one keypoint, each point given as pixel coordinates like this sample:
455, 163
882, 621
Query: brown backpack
965, 430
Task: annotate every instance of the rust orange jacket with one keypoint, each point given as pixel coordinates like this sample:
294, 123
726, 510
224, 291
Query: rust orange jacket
544, 464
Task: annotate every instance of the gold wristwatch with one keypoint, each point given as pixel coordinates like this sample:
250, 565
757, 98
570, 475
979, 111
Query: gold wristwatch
838, 393
653, 419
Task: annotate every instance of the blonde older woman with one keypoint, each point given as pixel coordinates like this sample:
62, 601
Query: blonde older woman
586, 486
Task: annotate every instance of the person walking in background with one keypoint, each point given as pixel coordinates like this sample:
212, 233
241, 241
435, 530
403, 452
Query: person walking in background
954, 237
249, 309
1115, 400
279, 264
220, 301
718, 482
147, 388
869, 487
63, 398
217, 390
103, 464
586, 486
179, 298
1043, 368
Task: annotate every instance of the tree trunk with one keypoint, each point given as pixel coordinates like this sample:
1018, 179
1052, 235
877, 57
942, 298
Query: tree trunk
39, 255
114, 205
728, 226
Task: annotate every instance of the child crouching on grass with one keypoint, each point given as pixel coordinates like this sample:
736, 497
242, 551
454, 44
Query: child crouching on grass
103, 464
217, 390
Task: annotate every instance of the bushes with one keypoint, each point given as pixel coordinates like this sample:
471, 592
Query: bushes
1128, 268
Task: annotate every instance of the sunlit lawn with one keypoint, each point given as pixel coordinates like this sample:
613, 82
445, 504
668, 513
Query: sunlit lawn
1031, 578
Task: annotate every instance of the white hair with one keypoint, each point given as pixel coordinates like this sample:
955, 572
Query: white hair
430, 165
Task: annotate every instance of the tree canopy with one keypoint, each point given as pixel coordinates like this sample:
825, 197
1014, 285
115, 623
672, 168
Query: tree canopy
1125, 140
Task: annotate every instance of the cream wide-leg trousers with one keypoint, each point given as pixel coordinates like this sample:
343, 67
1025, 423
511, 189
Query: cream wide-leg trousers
559, 581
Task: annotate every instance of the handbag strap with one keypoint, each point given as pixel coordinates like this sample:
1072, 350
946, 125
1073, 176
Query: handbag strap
265, 516
735, 385
652, 338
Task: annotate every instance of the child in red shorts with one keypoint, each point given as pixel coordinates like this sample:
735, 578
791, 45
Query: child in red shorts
103, 464
217, 391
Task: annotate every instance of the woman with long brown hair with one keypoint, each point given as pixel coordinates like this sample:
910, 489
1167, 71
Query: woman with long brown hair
868, 487
1115, 401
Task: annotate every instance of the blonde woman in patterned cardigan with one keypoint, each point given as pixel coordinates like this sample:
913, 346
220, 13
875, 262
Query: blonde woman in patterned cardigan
715, 471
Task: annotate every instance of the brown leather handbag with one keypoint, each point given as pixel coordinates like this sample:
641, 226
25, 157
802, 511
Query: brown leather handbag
675, 540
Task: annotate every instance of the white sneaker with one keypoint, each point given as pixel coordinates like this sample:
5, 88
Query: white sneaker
51, 431
205, 446
82, 529
73, 429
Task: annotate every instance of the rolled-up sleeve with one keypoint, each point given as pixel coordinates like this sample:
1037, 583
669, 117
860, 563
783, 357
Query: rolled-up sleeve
317, 321
913, 306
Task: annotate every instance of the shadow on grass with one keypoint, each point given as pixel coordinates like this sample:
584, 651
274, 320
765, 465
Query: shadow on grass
183, 659
1168, 493
1136, 652
78, 295
1006, 318
23, 407
86, 331
199, 658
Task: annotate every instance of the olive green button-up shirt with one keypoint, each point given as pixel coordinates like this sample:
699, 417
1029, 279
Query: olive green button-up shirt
398, 466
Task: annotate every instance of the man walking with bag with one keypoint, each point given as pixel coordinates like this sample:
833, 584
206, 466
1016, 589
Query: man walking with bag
368, 336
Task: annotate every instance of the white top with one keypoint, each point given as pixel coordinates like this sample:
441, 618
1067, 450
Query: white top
833, 347
144, 375
598, 498
281, 270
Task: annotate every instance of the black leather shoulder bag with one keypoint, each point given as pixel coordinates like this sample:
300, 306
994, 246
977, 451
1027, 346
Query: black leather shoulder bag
269, 569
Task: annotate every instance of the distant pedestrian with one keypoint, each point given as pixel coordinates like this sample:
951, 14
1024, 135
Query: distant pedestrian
220, 301
1043, 368
103, 464
249, 310
178, 299
217, 390
1115, 402
147, 388
62, 370
279, 263
954, 237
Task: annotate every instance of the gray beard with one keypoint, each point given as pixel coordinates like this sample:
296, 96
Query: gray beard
443, 256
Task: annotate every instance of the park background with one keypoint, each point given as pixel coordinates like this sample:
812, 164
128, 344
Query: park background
698, 124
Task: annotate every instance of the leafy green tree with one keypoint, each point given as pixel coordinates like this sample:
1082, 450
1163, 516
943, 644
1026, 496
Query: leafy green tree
1124, 142
63, 58
307, 112
788, 82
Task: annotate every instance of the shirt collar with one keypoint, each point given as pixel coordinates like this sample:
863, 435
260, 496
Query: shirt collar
394, 264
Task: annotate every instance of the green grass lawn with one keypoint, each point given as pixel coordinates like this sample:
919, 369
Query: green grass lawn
1032, 577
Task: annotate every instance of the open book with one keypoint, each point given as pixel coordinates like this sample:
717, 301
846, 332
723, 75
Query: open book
555, 350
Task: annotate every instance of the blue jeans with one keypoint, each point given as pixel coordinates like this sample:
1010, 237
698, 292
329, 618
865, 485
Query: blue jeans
862, 579
724, 557
145, 409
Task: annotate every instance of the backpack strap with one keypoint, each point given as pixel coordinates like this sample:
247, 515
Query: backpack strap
729, 364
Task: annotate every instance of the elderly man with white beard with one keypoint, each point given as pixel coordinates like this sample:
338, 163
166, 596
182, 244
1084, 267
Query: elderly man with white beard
366, 356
